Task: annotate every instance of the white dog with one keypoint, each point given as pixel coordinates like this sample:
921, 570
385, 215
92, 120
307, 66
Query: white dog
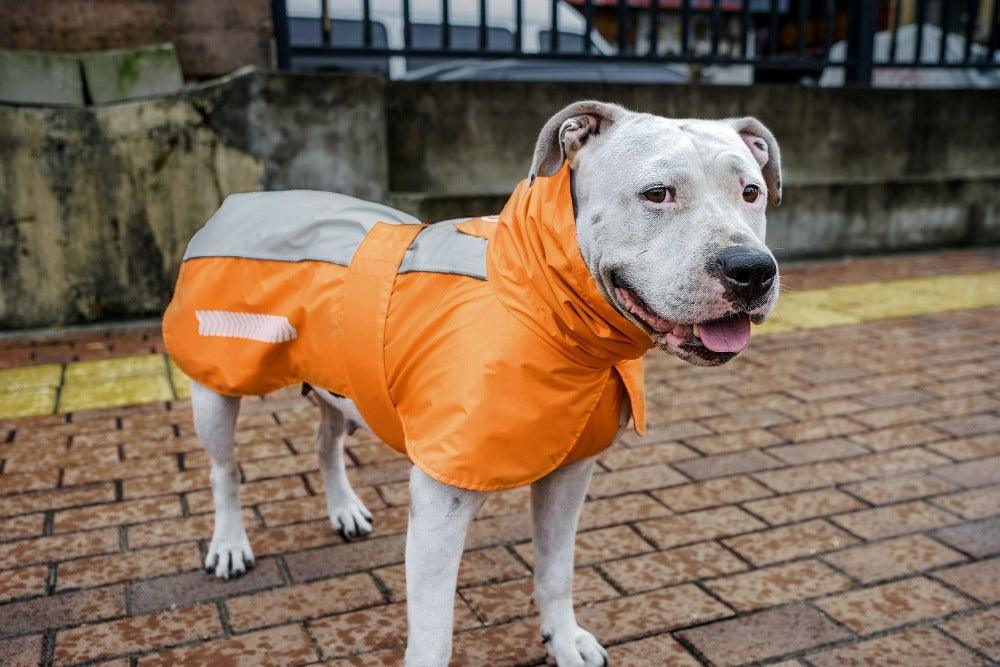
670, 220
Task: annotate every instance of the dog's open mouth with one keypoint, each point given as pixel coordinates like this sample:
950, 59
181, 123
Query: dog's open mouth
715, 340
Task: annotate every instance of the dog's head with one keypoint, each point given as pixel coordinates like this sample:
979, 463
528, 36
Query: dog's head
670, 219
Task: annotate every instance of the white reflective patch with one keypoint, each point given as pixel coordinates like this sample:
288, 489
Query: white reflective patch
251, 326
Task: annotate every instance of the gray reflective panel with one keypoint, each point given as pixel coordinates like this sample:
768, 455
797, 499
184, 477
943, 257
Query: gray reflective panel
441, 248
291, 226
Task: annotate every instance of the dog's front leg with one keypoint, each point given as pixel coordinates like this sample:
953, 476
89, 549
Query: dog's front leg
439, 517
556, 501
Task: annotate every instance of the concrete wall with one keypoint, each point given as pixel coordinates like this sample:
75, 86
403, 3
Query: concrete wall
212, 37
96, 204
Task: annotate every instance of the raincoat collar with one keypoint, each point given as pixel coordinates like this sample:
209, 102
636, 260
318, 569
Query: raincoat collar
536, 270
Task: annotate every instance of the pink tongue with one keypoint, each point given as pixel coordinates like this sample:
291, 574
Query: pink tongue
730, 334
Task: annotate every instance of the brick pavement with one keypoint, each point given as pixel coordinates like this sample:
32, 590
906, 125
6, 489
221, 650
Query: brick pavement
830, 498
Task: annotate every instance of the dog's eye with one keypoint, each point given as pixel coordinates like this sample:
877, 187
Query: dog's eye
750, 193
658, 194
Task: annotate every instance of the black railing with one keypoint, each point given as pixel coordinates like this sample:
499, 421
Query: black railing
797, 36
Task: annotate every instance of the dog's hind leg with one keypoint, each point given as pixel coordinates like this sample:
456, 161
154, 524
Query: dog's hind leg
556, 501
347, 513
439, 518
215, 423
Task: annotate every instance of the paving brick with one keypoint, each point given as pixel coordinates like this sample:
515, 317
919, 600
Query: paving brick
721, 465
128, 565
805, 505
894, 557
777, 585
817, 450
58, 547
972, 473
28, 481
23, 582
974, 425
893, 520
141, 633
978, 631
809, 476
973, 504
664, 433
974, 447
887, 399
788, 542
164, 483
725, 443
897, 489
181, 590
505, 601
372, 629
890, 605
21, 652
477, 567
284, 645
26, 525
111, 514
651, 652
56, 498
898, 436
608, 511
55, 611
977, 579
886, 417
698, 526
666, 568
745, 420
766, 634
329, 596
816, 429
634, 479
978, 539
710, 493
895, 462
341, 558
599, 545
513, 643
122, 470
620, 458
924, 647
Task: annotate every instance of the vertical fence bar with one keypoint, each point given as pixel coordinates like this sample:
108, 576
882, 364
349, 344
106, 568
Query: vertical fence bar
831, 25
407, 26
773, 31
324, 22
685, 25
279, 21
918, 50
654, 28
800, 44
716, 19
588, 28
895, 30
445, 26
366, 13
994, 42
554, 27
944, 16
745, 29
971, 18
518, 20
482, 25
622, 23
860, 42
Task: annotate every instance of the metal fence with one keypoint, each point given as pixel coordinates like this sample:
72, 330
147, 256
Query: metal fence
768, 35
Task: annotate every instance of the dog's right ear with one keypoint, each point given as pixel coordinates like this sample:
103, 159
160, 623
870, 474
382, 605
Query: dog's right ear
567, 131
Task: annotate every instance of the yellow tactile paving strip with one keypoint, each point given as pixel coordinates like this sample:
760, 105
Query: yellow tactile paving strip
85, 385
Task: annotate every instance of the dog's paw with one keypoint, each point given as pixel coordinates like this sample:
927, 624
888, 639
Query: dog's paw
576, 649
229, 557
350, 517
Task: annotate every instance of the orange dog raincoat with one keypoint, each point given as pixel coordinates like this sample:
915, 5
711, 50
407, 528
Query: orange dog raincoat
482, 349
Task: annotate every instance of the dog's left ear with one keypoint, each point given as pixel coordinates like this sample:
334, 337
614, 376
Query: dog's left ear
566, 132
765, 150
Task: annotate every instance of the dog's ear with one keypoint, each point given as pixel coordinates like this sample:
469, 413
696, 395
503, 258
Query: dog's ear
765, 150
567, 131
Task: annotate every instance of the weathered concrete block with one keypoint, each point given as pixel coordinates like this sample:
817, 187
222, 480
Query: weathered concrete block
128, 74
33, 77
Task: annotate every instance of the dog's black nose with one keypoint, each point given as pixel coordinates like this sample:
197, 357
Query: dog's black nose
747, 273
